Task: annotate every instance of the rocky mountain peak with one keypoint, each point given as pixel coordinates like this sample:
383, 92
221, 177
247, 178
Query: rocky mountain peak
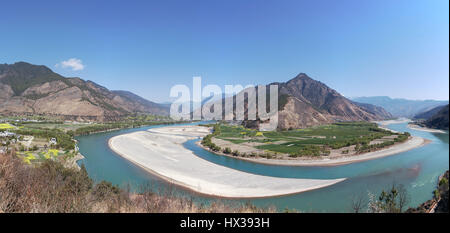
305, 102
33, 89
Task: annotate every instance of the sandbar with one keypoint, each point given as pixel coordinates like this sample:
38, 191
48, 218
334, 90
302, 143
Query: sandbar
160, 151
425, 129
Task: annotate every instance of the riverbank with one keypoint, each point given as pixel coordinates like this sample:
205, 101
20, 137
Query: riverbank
73, 161
439, 202
88, 130
411, 143
425, 129
160, 151
395, 121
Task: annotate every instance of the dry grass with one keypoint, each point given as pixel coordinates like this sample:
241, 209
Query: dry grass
52, 188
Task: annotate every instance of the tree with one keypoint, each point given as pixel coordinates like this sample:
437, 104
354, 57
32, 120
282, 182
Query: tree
21, 147
70, 133
357, 203
403, 197
235, 153
391, 201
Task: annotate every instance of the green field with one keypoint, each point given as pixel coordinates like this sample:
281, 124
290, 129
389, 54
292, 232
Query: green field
32, 157
4, 126
57, 125
310, 141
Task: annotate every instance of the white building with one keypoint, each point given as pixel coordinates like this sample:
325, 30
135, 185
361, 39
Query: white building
7, 134
53, 141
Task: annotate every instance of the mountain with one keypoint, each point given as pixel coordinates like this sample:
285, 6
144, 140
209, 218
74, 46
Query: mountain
401, 107
377, 110
427, 114
439, 120
305, 102
33, 89
139, 104
310, 102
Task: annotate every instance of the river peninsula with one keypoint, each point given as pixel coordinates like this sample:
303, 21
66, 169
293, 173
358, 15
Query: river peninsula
411, 143
160, 151
326, 145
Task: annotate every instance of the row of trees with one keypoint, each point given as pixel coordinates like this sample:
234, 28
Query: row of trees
207, 140
361, 145
310, 150
363, 140
117, 125
367, 148
377, 133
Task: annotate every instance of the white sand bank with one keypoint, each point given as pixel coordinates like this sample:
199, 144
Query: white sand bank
425, 129
160, 151
396, 121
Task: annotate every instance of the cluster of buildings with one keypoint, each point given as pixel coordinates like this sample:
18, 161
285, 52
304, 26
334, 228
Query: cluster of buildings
7, 137
7, 134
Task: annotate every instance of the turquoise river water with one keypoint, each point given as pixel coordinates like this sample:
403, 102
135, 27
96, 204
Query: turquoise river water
417, 169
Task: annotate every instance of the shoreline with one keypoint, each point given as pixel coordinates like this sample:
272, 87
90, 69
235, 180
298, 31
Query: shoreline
425, 129
389, 151
161, 153
134, 127
395, 121
190, 189
77, 158
72, 162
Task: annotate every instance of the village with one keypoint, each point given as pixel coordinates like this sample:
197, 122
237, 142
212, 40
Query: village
34, 147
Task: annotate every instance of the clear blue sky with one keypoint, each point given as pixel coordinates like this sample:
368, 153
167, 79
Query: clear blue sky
398, 48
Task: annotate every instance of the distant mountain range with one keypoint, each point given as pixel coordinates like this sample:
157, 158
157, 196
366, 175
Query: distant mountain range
33, 89
305, 102
428, 114
310, 102
438, 120
401, 107
376, 110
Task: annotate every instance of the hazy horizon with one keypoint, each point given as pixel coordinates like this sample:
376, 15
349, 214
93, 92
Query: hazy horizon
359, 48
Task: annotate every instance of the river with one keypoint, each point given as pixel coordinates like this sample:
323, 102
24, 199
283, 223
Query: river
417, 169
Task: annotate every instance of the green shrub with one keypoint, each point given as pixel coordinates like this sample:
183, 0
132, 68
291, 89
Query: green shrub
443, 181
